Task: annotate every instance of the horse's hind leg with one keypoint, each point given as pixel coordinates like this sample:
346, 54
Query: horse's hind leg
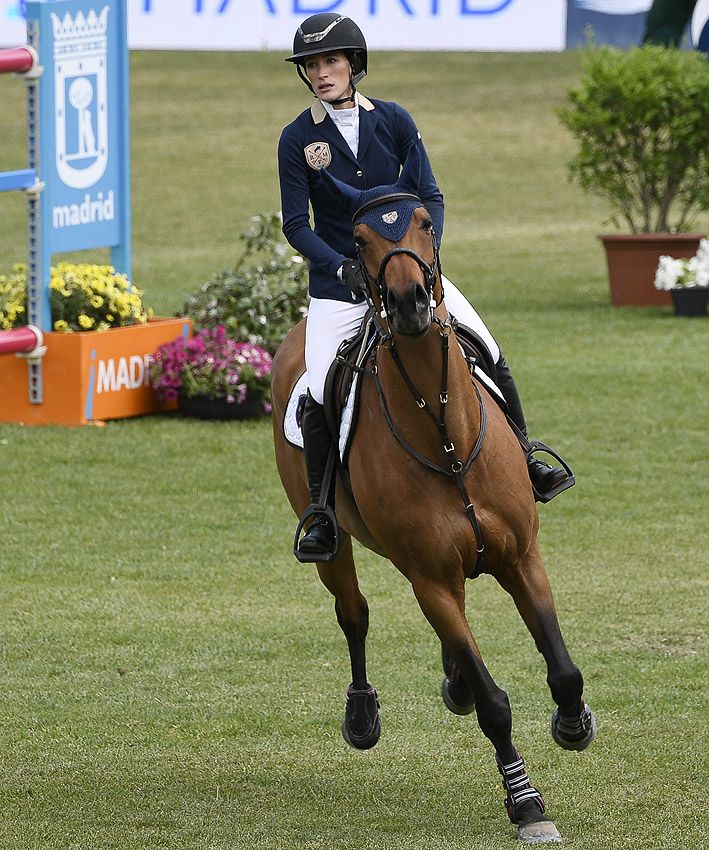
573, 723
361, 727
444, 607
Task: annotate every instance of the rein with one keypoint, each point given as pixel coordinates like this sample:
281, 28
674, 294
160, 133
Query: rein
457, 468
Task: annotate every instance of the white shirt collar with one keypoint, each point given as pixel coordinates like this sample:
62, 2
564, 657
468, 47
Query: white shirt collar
318, 112
347, 122
343, 116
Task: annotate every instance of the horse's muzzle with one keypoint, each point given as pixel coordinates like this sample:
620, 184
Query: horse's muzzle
409, 313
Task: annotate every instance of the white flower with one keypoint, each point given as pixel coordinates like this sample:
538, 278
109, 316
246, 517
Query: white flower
696, 273
668, 272
681, 274
702, 266
703, 252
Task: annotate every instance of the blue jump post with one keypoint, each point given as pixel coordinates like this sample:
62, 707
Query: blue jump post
78, 143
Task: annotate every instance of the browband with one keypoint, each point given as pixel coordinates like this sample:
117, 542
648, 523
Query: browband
385, 199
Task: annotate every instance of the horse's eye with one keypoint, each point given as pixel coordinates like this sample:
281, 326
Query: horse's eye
360, 243
426, 224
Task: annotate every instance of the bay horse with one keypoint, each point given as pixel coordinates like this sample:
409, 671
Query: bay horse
428, 434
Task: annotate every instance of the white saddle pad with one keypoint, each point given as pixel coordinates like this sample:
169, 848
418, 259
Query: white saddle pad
291, 428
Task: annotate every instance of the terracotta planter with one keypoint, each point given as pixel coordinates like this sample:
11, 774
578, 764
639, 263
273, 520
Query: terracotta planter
89, 377
202, 407
690, 302
632, 263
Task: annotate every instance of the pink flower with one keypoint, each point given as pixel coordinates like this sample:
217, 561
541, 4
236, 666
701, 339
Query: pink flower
212, 364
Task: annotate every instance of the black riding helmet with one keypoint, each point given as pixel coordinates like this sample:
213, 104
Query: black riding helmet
326, 32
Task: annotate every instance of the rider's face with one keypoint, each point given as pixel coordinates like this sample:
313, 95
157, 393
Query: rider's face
329, 75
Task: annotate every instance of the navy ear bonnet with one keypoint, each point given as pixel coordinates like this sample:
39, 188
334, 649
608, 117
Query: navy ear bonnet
389, 219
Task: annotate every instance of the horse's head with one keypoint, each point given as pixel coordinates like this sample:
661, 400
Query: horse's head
397, 247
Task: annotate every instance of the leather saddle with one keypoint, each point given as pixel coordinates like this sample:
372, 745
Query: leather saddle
353, 354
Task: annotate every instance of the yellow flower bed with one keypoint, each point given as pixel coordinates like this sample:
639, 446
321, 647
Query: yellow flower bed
83, 298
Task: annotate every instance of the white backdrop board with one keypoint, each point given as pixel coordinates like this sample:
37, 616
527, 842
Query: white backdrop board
387, 24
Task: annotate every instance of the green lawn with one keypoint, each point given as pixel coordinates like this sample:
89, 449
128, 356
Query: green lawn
170, 677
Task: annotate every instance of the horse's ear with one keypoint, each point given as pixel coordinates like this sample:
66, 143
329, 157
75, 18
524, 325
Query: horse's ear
348, 195
411, 172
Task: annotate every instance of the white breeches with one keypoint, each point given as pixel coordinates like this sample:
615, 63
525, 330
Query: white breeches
466, 314
330, 322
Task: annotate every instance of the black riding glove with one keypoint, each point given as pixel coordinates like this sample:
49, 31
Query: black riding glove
352, 275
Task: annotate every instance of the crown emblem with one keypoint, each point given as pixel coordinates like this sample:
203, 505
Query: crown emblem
79, 34
390, 217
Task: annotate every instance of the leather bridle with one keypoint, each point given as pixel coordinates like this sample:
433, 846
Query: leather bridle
457, 467
428, 270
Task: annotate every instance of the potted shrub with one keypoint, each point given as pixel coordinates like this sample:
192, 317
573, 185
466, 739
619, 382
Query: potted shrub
687, 281
641, 120
263, 296
241, 315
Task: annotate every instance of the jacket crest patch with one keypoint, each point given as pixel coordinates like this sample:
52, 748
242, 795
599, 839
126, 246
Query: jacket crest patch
318, 155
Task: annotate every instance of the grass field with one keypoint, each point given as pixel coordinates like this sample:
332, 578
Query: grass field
171, 678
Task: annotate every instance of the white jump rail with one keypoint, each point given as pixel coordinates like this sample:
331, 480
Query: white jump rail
26, 341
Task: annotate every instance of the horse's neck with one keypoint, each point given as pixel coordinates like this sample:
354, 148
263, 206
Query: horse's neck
422, 359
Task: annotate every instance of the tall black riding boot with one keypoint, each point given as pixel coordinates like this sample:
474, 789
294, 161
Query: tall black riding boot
544, 477
320, 538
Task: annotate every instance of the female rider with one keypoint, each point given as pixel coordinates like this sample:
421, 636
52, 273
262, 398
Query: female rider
363, 143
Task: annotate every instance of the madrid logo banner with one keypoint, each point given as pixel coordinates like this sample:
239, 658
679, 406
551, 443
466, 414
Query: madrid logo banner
84, 141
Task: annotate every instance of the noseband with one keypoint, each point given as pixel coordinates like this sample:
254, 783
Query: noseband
429, 271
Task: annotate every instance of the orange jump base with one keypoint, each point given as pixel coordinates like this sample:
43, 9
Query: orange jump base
89, 377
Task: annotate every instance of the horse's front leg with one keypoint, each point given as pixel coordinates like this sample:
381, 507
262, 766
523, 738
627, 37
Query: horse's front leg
443, 604
573, 724
362, 726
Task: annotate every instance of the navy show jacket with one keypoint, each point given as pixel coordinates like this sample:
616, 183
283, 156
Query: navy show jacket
312, 141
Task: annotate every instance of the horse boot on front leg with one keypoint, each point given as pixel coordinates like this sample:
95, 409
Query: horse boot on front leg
525, 805
320, 542
547, 481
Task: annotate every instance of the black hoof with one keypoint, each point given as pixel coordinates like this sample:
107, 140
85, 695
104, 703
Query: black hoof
361, 727
533, 826
461, 708
456, 694
574, 734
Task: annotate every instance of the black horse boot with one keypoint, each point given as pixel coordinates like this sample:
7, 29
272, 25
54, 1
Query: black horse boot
319, 542
544, 477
